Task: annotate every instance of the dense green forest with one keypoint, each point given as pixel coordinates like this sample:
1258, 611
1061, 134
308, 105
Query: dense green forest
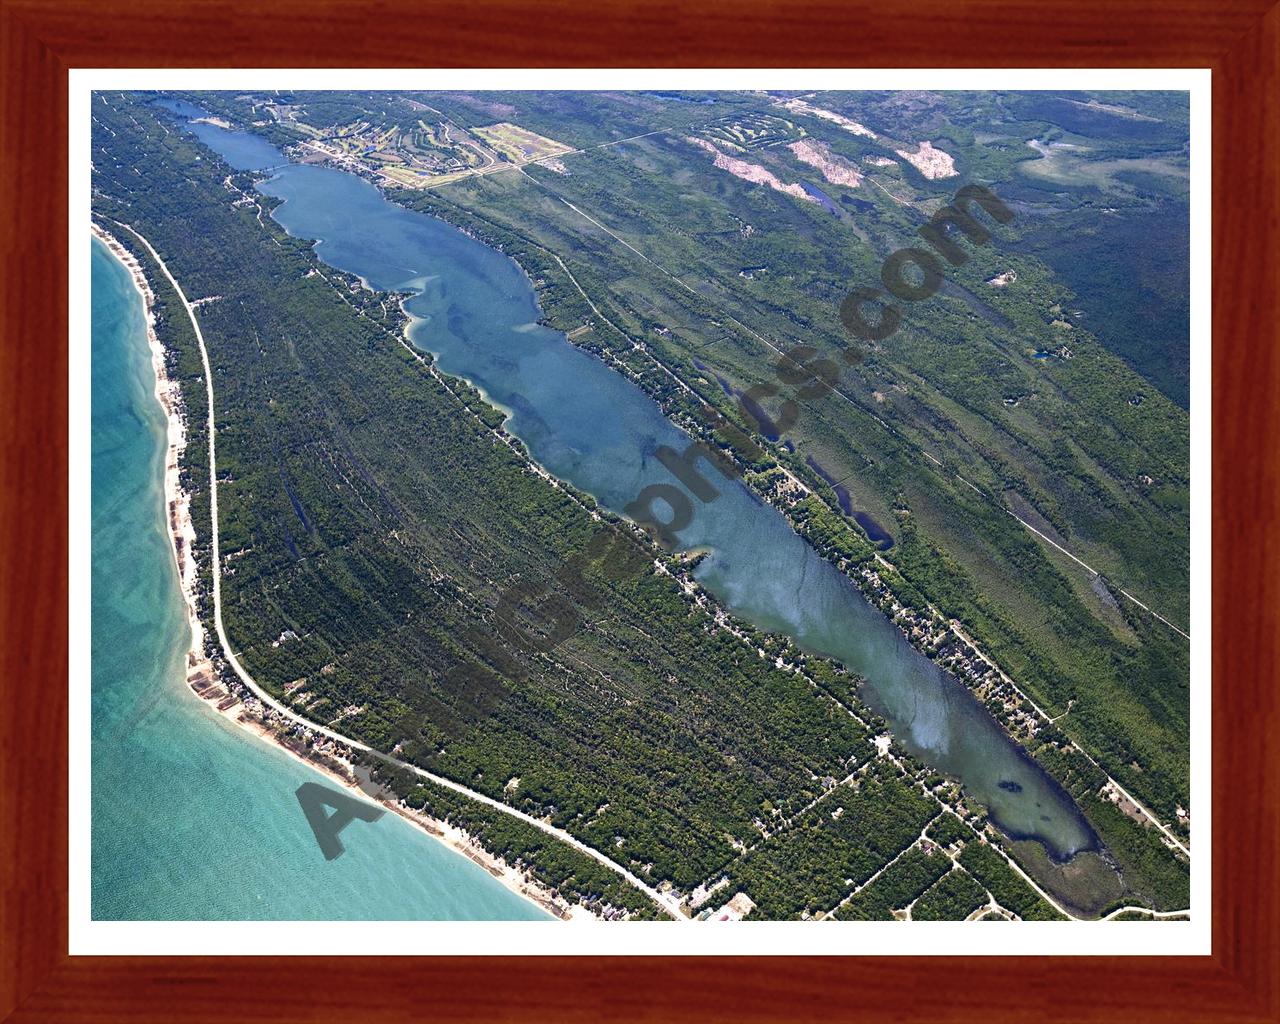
953, 898
366, 567
838, 843
897, 888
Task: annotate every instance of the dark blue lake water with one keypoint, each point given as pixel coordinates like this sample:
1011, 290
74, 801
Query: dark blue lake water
824, 200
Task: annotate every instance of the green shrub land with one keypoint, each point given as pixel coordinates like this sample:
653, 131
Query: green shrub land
953, 898
897, 888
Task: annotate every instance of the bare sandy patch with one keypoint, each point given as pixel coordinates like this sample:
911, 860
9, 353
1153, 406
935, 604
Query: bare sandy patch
798, 106
519, 144
932, 163
835, 169
753, 173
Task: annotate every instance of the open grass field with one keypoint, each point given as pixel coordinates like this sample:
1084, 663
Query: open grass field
519, 145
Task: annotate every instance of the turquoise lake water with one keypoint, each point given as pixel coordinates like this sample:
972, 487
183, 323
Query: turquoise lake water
194, 819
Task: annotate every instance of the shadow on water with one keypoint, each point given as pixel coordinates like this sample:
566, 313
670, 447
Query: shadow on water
874, 531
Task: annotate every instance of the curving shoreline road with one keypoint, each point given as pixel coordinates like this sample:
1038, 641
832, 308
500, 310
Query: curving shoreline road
663, 900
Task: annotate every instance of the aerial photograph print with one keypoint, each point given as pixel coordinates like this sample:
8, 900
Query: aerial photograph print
534, 505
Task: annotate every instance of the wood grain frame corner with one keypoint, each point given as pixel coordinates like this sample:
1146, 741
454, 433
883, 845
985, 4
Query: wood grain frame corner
41, 41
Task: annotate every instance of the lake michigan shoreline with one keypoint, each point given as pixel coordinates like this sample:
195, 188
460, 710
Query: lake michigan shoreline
200, 673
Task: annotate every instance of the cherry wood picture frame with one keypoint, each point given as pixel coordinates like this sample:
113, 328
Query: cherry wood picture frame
40, 40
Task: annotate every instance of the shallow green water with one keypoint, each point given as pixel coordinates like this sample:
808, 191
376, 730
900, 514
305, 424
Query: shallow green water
192, 817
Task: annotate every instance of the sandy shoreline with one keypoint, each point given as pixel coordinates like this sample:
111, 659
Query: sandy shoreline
182, 533
342, 773
244, 710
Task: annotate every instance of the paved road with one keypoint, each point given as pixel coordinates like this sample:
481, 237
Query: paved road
666, 902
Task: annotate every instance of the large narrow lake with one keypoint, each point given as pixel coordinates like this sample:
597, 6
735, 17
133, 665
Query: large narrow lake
477, 312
